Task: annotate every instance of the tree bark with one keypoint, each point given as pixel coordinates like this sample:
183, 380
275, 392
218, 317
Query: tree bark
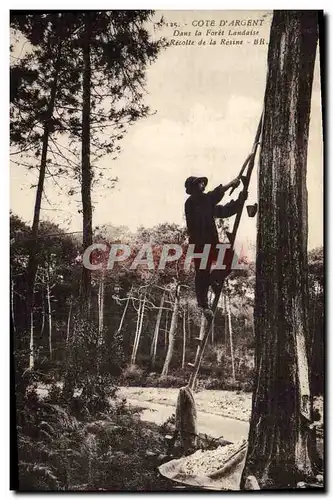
278, 454
86, 174
156, 332
172, 334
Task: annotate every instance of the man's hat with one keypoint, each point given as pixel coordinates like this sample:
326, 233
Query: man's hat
191, 181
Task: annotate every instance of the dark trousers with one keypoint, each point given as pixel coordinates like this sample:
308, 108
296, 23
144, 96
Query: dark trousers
204, 278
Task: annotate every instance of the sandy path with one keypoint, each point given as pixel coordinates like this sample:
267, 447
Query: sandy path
213, 425
223, 403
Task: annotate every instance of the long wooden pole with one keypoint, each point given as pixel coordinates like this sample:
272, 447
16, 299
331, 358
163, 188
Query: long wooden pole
231, 236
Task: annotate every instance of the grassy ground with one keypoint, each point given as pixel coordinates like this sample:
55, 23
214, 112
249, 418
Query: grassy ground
62, 448
67, 449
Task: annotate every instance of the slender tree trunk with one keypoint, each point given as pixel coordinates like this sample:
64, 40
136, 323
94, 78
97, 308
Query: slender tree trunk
124, 312
188, 322
166, 329
184, 339
49, 311
43, 315
136, 333
213, 331
32, 343
100, 308
86, 174
139, 329
69, 320
278, 451
32, 336
172, 334
230, 337
156, 332
224, 301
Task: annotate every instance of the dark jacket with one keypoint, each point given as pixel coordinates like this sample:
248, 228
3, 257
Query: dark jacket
200, 210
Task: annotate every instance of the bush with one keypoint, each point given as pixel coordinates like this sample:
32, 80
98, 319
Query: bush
57, 452
171, 381
132, 375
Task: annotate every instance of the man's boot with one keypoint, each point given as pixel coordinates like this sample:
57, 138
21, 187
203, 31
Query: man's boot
215, 279
207, 312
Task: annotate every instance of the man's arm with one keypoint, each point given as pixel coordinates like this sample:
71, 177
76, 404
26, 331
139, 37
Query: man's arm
217, 194
231, 208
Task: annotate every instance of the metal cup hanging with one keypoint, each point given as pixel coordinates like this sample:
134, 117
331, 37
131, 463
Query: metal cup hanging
252, 209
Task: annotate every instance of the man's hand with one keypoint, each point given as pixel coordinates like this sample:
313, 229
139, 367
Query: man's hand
235, 183
232, 185
242, 196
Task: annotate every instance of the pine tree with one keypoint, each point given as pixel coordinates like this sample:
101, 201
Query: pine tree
279, 451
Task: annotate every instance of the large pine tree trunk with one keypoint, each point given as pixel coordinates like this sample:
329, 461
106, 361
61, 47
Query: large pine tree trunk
86, 175
33, 250
278, 440
172, 334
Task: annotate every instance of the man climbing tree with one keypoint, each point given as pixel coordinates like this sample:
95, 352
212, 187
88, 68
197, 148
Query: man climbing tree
279, 451
200, 210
